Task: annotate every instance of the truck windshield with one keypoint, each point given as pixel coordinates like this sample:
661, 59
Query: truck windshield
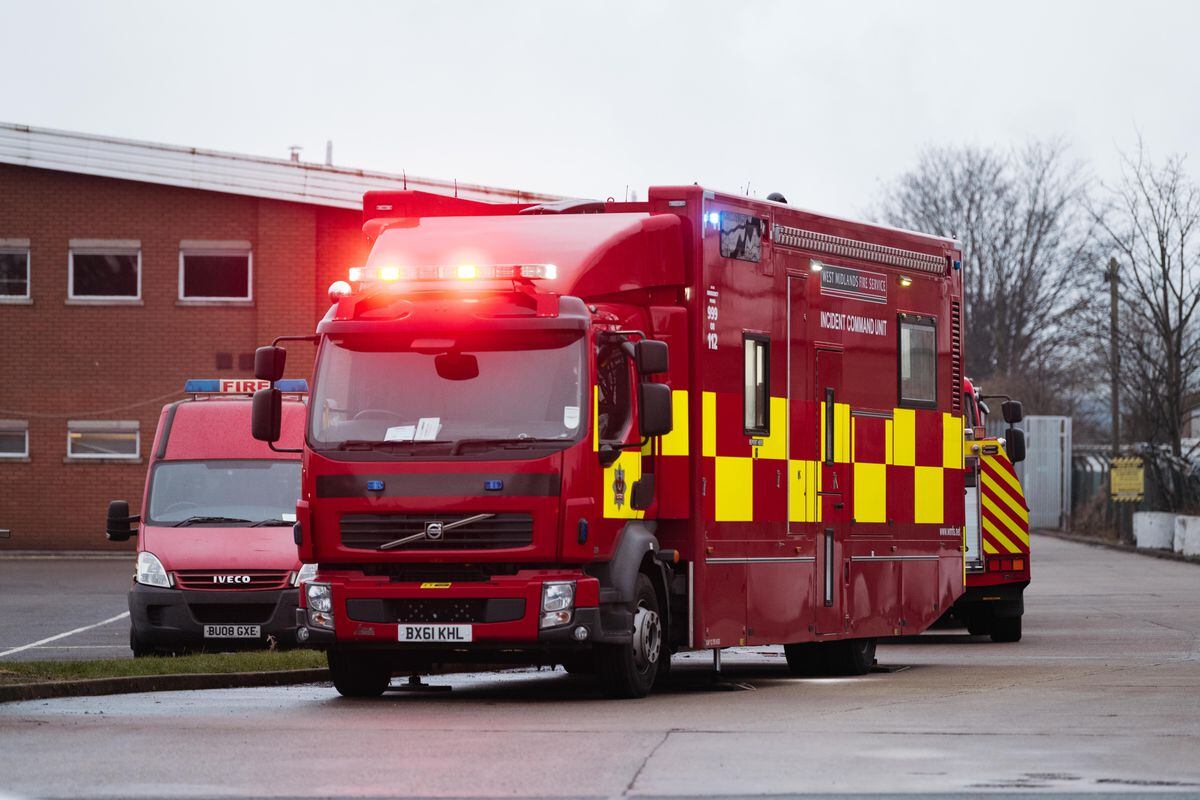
447, 397
224, 492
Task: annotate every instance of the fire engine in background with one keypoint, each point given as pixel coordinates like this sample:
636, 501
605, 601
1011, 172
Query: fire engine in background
215, 568
997, 524
598, 433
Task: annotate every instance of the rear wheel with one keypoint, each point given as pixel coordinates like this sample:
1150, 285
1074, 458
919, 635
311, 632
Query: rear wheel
850, 656
630, 670
979, 623
359, 674
1006, 629
804, 658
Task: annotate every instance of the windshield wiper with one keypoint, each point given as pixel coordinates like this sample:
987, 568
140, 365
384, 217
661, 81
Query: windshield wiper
262, 523
377, 444
500, 442
198, 519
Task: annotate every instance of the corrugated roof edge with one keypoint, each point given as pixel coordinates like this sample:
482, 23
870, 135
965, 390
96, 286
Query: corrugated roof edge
218, 171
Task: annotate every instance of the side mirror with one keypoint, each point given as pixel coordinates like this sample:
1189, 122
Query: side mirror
654, 409
1012, 411
650, 356
266, 413
641, 496
120, 524
1014, 444
268, 363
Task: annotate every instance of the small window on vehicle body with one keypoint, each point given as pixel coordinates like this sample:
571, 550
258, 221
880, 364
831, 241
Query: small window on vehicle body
918, 361
756, 383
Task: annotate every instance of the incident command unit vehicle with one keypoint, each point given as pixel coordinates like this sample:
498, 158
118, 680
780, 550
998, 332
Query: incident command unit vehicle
216, 564
597, 433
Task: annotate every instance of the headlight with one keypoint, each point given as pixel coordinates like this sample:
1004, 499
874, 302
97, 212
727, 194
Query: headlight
306, 573
558, 600
320, 597
320, 605
150, 571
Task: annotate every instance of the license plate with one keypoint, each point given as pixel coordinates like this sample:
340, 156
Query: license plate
433, 633
232, 631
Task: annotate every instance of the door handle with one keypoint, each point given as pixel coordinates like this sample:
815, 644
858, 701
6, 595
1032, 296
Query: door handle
830, 494
838, 505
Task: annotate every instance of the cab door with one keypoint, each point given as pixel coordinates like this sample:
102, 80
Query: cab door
834, 495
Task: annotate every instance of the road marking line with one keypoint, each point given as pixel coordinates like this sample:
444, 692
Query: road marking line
62, 635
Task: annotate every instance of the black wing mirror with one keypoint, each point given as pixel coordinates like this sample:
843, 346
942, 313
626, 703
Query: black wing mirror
654, 409
269, 362
1014, 444
266, 412
1012, 411
650, 356
641, 496
120, 523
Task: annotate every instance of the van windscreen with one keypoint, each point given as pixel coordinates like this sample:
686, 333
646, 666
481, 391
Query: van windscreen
229, 492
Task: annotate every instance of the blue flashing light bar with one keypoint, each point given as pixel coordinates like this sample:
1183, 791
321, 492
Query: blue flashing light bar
242, 386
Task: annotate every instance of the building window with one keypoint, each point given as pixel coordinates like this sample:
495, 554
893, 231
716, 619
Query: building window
14, 438
918, 361
104, 270
215, 271
14, 270
756, 383
117, 439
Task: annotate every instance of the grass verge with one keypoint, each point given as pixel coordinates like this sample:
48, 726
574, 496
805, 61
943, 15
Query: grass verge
208, 663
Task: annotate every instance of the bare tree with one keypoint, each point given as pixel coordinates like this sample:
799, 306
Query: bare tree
1150, 221
1021, 218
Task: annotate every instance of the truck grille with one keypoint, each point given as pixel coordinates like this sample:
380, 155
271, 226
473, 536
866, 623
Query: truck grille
241, 580
497, 532
439, 610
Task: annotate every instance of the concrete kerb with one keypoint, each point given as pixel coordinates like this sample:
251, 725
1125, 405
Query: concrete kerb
1168, 555
160, 683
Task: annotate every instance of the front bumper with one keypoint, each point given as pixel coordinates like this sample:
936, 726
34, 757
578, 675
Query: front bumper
503, 614
175, 618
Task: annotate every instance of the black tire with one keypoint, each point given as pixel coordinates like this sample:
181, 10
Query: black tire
358, 674
805, 658
1006, 629
140, 650
630, 670
850, 656
979, 623
584, 664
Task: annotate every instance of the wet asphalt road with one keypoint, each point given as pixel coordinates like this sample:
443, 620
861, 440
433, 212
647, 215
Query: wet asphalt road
45, 597
1103, 695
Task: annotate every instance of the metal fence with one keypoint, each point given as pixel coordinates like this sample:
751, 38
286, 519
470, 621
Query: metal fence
1046, 474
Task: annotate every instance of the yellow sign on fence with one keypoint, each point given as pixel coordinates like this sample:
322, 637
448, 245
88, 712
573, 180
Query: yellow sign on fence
1127, 477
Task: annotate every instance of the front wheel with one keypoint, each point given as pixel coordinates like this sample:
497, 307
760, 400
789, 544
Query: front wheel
1006, 629
629, 670
358, 674
140, 649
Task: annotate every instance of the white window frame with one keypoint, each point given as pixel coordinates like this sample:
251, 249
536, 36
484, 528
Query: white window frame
19, 246
18, 425
196, 247
103, 247
105, 425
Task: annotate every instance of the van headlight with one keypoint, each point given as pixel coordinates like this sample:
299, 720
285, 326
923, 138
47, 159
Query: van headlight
319, 599
558, 601
306, 573
150, 571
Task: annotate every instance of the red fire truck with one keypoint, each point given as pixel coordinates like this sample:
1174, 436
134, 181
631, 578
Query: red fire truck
997, 524
597, 433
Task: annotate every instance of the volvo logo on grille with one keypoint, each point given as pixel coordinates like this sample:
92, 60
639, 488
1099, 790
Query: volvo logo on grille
231, 578
434, 530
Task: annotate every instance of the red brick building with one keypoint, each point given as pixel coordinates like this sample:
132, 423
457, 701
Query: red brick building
127, 267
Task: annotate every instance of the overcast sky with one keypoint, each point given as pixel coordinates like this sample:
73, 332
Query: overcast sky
821, 101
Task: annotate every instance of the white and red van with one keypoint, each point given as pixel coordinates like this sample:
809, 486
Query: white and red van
217, 567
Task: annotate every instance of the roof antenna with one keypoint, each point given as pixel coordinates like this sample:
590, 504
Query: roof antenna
404, 177
329, 152
627, 193
456, 188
